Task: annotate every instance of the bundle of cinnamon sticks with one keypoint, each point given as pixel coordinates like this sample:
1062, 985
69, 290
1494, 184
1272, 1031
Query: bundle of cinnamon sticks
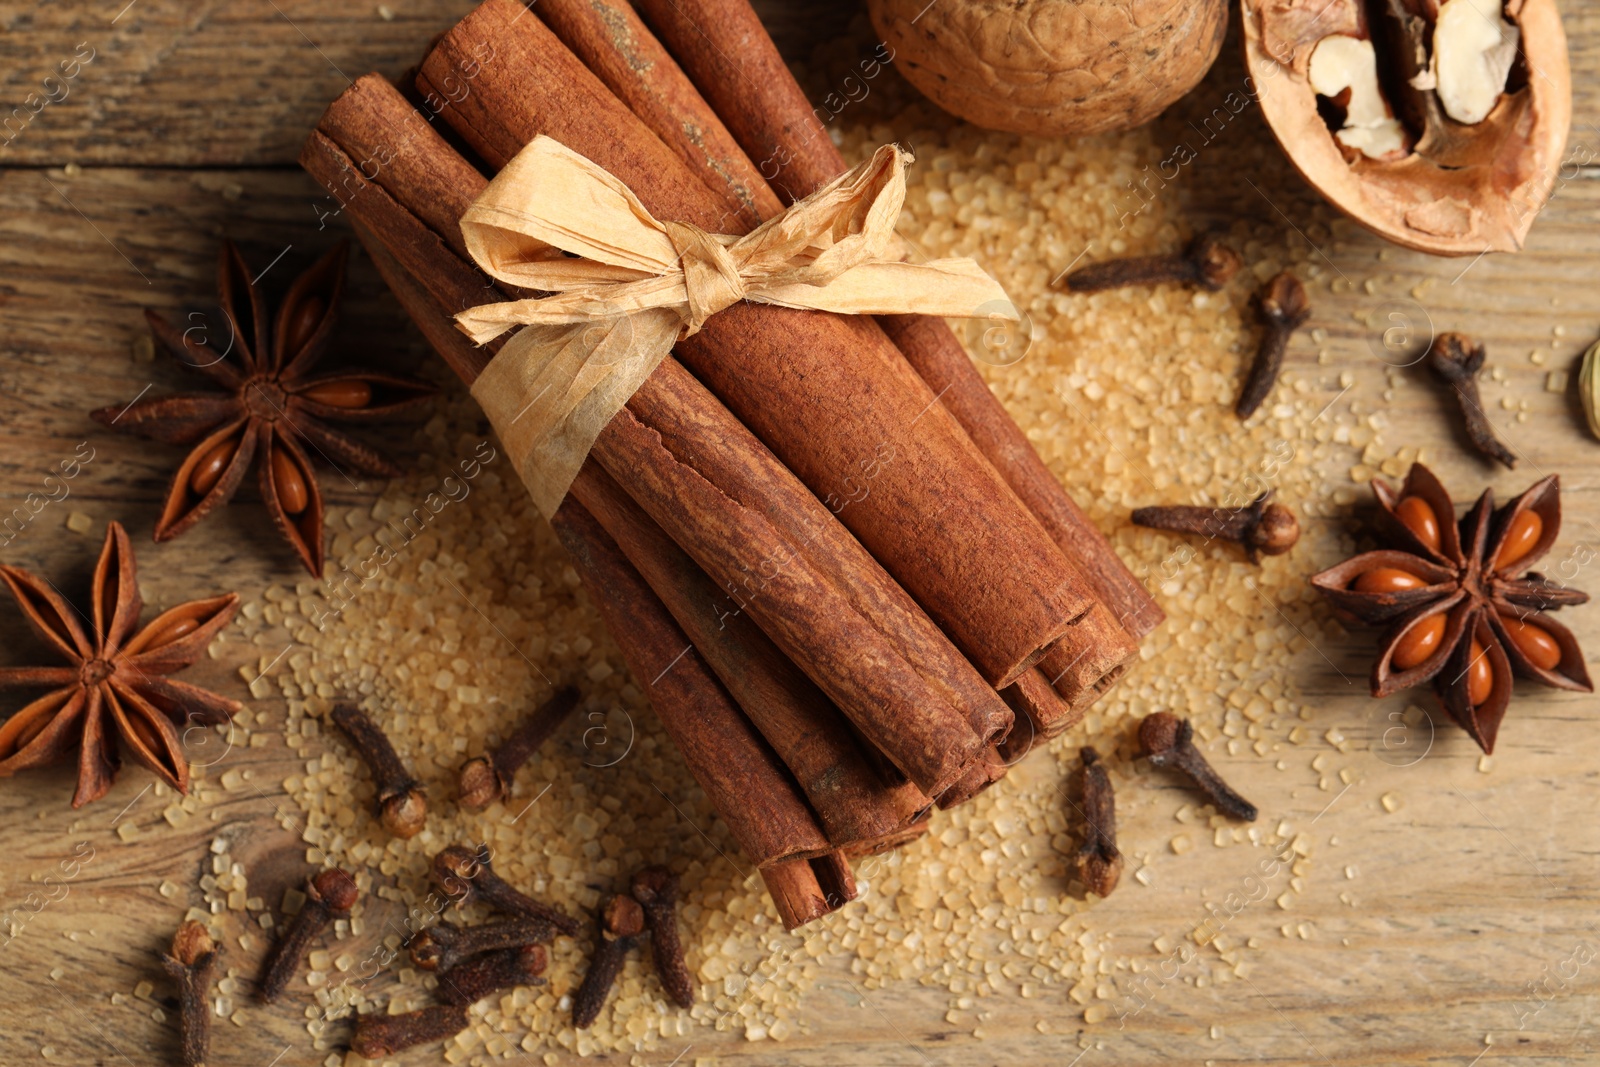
848, 584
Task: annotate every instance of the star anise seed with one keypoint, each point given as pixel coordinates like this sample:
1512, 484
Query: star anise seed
116, 694
1461, 606
273, 409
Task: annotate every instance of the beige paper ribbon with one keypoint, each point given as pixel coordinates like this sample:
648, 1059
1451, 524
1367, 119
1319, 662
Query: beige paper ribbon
639, 285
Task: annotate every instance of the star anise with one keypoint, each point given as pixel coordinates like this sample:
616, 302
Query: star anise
272, 407
116, 694
1462, 608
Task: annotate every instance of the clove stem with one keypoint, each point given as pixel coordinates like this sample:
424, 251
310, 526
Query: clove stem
487, 778
1169, 742
1282, 307
1206, 262
329, 895
1456, 361
191, 961
402, 807
1099, 861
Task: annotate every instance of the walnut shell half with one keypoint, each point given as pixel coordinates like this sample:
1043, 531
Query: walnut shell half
1451, 188
1053, 67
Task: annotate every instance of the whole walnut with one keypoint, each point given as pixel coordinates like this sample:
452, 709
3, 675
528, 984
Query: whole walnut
1053, 67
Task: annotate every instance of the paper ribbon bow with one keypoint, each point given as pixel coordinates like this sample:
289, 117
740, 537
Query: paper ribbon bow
639, 285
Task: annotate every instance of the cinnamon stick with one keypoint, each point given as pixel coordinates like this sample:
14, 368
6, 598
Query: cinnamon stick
1046, 714
905, 689
616, 46
796, 884
728, 55
980, 776
611, 40
829, 394
804, 890
858, 808
742, 777
892, 841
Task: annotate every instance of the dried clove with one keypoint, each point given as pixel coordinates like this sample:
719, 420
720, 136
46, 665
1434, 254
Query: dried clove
378, 1036
656, 890
1099, 862
444, 945
621, 923
1169, 742
464, 875
476, 979
487, 778
330, 894
1262, 528
402, 807
1456, 361
1206, 261
191, 961
1282, 308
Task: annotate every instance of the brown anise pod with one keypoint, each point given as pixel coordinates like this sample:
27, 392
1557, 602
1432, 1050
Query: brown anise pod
115, 695
1461, 606
272, 409
1438, 124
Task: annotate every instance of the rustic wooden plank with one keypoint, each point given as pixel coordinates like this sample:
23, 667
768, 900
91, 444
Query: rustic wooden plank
1418, 932
82, 255
173, 83
177, 83
1454, 904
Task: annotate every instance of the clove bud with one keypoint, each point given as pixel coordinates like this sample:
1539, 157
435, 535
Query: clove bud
656, 890
492, 972
1262, 528
379, 1036
191, 961
1099, 862
1168, 741
487, 778
464, 875
402, 807
1456, 361
1206, 262
444, 945
1282, 308
621, 923
329, 895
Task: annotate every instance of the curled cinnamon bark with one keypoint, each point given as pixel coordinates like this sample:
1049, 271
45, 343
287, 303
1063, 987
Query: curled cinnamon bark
1096, 650
829, 394
806, 890
744, 780
699, 473
752, 791
727, 53
857, 804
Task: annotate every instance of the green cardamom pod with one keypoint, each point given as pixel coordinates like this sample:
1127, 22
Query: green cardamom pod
1589, 387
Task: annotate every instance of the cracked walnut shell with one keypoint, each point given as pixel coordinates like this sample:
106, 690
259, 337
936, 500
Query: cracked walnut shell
1437, 125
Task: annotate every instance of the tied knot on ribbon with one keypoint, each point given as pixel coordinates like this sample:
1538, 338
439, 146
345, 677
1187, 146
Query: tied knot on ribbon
624, 287
711, 279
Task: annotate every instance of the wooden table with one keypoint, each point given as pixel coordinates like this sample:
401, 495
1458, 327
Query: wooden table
1417, 936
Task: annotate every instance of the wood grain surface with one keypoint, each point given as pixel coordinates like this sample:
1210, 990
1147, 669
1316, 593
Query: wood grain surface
1417, 937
